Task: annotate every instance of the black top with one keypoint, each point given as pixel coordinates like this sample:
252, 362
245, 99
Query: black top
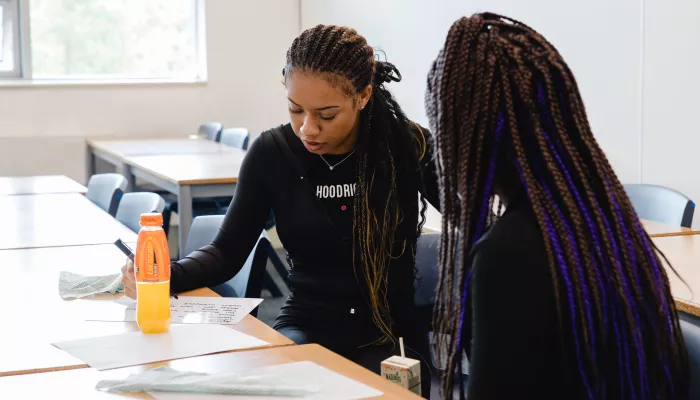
515, 350
313, 207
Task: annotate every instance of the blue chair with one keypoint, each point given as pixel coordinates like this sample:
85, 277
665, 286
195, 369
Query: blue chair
202, 232
426, 262
132, 205
210, 130
248, 281
105, 191
235, 137
661, 204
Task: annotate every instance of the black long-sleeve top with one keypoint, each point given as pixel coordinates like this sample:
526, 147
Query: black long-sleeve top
516, 351
313, 208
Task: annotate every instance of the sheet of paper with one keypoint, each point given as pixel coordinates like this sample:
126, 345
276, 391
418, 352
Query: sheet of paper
136, 348
332, 385
184, 310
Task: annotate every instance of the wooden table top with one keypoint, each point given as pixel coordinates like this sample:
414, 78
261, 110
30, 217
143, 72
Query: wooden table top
14, 185
192, 169
80, 384
657, 229
35, 315
125, 147
654, 229
683, 252
47, 220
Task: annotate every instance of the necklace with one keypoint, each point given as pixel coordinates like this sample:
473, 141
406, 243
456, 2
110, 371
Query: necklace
335, 165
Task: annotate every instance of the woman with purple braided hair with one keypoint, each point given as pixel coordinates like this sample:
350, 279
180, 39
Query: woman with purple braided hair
563, 295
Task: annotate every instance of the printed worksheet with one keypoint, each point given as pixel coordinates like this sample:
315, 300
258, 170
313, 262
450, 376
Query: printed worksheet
184, 310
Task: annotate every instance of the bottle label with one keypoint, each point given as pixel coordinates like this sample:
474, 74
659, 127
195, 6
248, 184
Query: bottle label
152, 271
152, 259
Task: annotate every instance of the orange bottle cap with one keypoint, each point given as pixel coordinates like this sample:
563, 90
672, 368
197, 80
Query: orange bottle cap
151, 219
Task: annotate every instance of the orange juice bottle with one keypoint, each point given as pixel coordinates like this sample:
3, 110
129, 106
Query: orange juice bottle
152, 268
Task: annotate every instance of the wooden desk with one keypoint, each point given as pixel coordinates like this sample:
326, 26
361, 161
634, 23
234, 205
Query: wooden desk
654, 229
188, 176
14, 185
683, 252
80, 384
48, 220
35, 315
657, 229
114, 150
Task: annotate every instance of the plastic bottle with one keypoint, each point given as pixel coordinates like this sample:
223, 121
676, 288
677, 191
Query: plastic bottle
152, 268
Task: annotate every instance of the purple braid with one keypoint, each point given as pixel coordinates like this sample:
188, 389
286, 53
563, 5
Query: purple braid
552, 234
640, 356
630, 299
622, 347
658, 279
488, 190
579, 202
584, 285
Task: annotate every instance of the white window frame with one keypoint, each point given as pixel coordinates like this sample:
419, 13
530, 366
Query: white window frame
21, 73
11, 38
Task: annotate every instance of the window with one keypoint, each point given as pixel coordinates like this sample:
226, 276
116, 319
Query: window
106, 40
9, 43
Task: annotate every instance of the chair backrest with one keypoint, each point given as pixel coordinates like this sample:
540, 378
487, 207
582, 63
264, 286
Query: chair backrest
249, 280
235, 137
426, 262
212, 130
661, 204
691, 334
202, 232
104, 190
132, 205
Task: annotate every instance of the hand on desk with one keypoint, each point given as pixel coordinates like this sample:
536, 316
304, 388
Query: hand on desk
129, 279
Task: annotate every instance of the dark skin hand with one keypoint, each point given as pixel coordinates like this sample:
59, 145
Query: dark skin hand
129, 279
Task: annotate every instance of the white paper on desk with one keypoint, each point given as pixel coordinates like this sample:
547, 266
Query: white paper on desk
136, 348
184, 310
332, 385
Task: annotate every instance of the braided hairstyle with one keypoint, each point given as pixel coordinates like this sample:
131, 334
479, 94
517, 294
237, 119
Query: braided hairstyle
389, 147
500, 97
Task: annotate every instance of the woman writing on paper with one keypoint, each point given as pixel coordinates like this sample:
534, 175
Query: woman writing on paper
343, 180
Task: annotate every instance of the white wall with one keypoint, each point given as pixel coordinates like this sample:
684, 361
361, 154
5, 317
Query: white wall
246, 45
600, 40
671, 96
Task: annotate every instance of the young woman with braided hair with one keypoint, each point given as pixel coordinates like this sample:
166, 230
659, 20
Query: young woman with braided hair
342, 180
563, 295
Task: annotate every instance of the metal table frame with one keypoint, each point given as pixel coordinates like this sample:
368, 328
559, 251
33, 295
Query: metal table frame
184, 193
93, 154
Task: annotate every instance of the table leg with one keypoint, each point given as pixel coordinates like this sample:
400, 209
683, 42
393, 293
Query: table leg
184, 212
90, 165
128, 173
